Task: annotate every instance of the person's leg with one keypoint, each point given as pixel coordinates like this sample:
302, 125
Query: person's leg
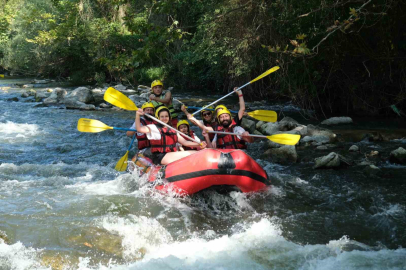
173, 156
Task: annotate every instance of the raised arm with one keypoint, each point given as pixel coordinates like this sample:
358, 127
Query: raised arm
242, 103
140, 129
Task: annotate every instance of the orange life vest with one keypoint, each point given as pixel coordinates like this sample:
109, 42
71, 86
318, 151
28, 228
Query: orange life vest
167, 143
228, 141
143, 141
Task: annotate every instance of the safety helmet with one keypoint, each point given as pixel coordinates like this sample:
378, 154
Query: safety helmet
155, 83
220, 106
161, 109
147, 105
222, 111
182, 122
207, 109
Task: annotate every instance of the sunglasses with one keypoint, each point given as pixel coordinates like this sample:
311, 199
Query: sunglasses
206, 114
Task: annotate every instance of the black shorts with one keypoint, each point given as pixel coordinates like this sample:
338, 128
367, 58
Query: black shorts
157, 157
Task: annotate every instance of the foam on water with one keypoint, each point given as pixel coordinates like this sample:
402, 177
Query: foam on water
14, 133
258, 245
18, 257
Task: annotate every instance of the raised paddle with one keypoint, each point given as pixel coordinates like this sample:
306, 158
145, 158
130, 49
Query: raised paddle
122, 163
94, 126
266, 73
122, 101
288, 139
262, 115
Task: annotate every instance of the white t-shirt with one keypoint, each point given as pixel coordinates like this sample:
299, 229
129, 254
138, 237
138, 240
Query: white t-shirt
236, 129
133, 127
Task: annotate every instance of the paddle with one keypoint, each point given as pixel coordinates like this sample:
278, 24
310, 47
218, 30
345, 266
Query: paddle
122, 101
288, 139
262, 115
266, 73
122, 163
94, 126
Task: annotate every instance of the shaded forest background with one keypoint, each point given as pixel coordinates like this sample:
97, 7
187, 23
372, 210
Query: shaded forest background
335, 56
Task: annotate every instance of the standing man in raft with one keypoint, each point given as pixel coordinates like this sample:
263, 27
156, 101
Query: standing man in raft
160, 98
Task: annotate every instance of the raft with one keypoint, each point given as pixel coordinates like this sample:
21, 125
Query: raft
205, 169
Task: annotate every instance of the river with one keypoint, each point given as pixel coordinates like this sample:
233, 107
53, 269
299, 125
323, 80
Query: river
63, 206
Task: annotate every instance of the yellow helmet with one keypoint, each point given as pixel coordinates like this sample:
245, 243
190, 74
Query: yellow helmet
160, 109
207, 109
155, 83
223, 111
147, 105
220, 107
182, 122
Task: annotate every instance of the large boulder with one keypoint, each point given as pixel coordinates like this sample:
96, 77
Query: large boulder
145, 95
81, 94
398, 156
138, 100
337, 121
318, 139
120, 87
269, 128
98, 95
283, 155
259, 125
371, 170
316, 131
41, 96
176, 104
57, 96
332, 160
287, 124
74, 104
248, 125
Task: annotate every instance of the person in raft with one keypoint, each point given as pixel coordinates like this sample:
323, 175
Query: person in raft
144, 146
160, 98
227, 141
184, 127
208, 119
212, 143
241, 111
163, 139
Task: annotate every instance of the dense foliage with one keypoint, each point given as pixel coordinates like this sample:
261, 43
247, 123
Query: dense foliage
335, 56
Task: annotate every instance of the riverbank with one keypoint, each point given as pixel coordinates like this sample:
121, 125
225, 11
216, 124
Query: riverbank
64, 205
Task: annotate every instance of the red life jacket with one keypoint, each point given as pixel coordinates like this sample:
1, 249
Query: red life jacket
167, 143
213, 125
191, 135
228, 141
143, 141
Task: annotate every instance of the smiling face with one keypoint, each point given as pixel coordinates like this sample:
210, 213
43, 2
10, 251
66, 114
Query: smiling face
184, 129
164, 116
149, 111
157, 90
207, 116
225, 119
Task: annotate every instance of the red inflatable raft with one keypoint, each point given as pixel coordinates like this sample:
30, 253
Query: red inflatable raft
208, 168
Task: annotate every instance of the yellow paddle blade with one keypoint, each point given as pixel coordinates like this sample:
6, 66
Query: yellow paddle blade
90, 125
122, 163
266, 73
288, 139
1, 75
119, 99
263, 115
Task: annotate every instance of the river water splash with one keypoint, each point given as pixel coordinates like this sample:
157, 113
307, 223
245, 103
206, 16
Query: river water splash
63, 206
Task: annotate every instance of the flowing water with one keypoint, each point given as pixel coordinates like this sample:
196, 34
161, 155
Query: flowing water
63, 206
